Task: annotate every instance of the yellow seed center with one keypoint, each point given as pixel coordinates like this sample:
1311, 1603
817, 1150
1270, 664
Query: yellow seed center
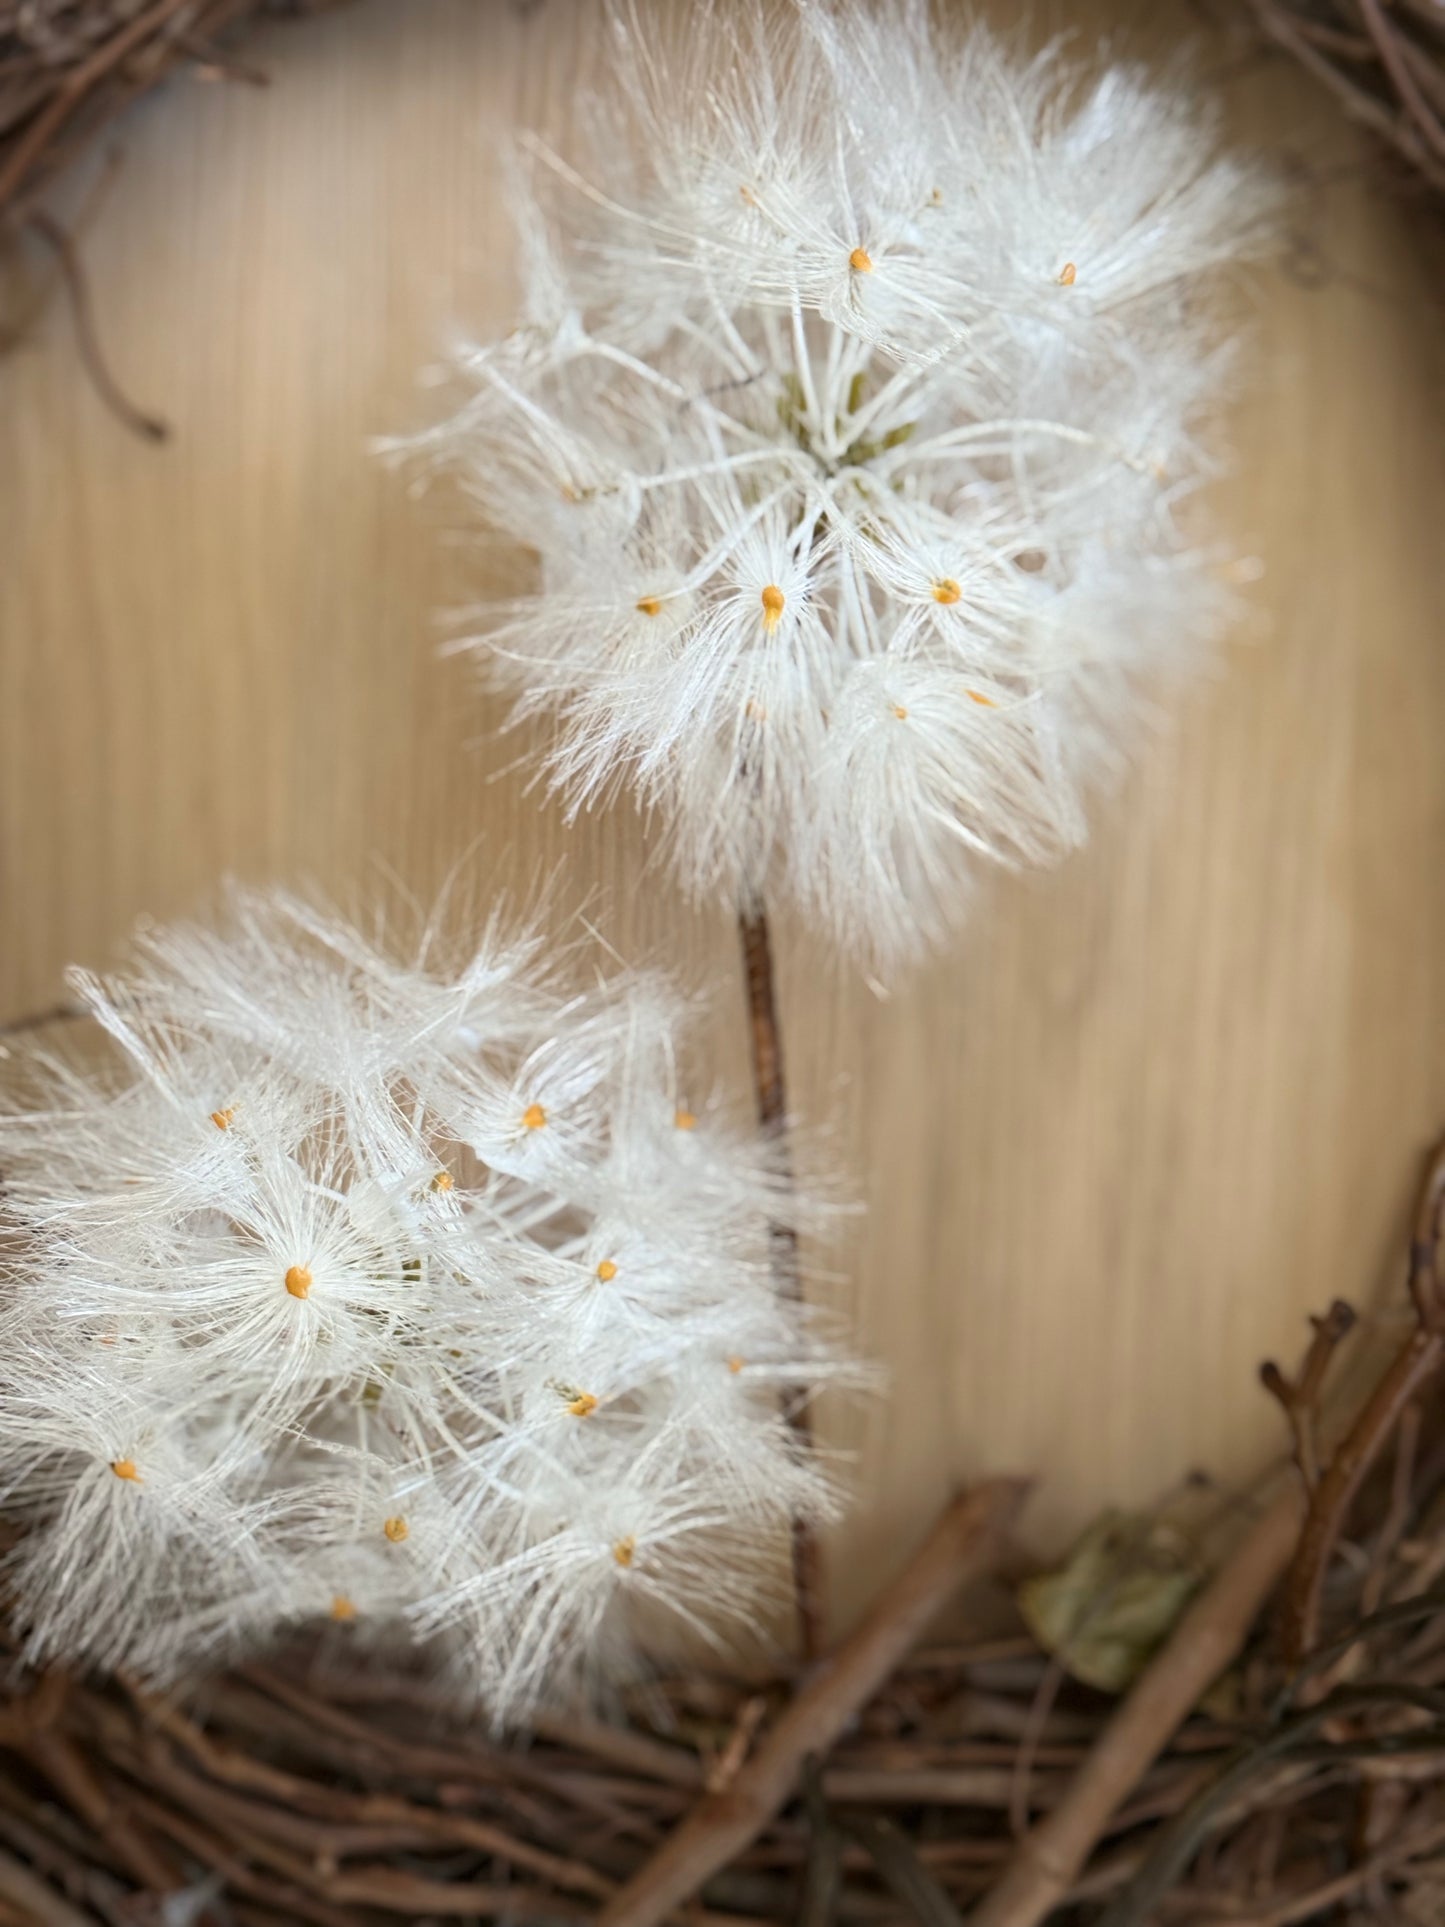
774, 602
298, 1281
342, 1609
534, 1117
984, 702
396, 1529
125, 1469
222, 1119
900, 712
625, 1550
442, 1181
946, 591
607, 1271
735, 1364
861, 261
1068, 275
650, 605
684, 1120
582, 1404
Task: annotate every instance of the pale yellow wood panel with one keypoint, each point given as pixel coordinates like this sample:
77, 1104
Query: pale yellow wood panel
1147, 1112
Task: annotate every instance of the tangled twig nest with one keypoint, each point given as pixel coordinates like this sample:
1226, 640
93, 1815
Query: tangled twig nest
1383, 59
68, 68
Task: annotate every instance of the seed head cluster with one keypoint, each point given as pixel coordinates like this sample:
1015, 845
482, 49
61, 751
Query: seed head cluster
426, 1301
851, 415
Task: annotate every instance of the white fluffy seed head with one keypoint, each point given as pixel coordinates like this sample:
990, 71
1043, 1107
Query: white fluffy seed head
862, 359
394, 1296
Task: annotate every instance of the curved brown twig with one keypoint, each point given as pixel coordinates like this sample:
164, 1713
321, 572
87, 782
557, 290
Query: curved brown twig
149, 427
1416, 1362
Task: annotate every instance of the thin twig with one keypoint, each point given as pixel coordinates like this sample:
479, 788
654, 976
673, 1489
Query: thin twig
1181, 1837
1027, 1752
149, 427
1397, 1518
965, 1543
1282, 26
56, 1756
904, 1873
1050, 1858
1300, 1395
823, 1874
729, 1762
1391, 59
35, 1898
1417, 1361
39, 1019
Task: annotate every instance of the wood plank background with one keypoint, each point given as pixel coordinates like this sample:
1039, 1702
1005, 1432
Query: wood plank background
1146, 1113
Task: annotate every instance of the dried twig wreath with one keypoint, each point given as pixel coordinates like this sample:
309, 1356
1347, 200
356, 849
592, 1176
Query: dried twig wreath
1269, 1748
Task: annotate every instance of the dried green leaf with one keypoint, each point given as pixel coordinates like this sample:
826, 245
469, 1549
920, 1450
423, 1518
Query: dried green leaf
1106, 1611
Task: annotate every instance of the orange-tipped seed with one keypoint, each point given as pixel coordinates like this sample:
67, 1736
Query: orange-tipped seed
342, 1609
534, 1117
684, 1120
582, 1404
650, 605
625, 1550
1068, 275
298, 1281
735, 1364
222, 1119
125, 1469
396, 1529
861, 261
607, 1271
947, 591
984, 702
774, 602
900, 712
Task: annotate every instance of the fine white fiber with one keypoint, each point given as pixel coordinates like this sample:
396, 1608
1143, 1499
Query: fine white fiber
424, 1299
863, 372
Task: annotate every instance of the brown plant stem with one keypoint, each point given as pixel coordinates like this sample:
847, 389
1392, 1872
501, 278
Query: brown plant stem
1050, 1858
965, 1543
1416, 1362
765, 1045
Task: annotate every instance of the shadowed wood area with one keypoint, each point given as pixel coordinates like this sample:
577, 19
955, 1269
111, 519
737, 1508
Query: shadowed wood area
1144, 1115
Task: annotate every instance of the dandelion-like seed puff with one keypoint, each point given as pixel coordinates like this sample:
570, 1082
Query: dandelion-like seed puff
410, 1300
850, 418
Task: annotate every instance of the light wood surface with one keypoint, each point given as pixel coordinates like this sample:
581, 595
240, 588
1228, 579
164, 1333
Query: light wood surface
1144, 1115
